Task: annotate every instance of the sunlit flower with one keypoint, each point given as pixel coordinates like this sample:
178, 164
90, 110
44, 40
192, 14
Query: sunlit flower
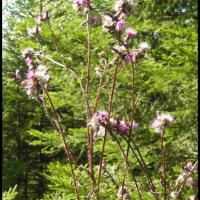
30, 74
80, 3
41, 74
102, 116
134, 125
130, 32
28, 52
189, 165
123, 127
107, 22
129, 57
93, 123
29, 61
144, 45
162, 121
33, 31
120, 25
124, 6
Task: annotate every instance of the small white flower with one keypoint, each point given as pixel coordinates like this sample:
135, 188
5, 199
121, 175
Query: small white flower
144, 45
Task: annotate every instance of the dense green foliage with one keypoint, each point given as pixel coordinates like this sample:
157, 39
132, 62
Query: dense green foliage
166, 80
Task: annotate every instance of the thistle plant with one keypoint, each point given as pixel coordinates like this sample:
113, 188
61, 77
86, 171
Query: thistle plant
103, 124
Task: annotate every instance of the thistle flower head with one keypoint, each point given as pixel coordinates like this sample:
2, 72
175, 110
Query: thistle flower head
123, 127
29, 61
31, 74
35, 79
130, 32
93, 123
28, 52
134, 124
33, 31
189, 166
129, 58
102, 116
41, 74
124, 6
107, 22
162, 121
120, 25
80, 3
144, 46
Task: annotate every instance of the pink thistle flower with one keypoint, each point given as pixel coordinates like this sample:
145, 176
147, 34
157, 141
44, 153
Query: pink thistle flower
134, 125
29, 61
162, 121
130, 32
94, 19
123, 127
83, 3
17, 74
120, 25
129, 57
157, 125
31, 74
102, 116
189, 165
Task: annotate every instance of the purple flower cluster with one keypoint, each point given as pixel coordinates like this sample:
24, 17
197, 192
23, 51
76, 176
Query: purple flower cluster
78, 4
37, 75
102, 116
101, 119
120, 25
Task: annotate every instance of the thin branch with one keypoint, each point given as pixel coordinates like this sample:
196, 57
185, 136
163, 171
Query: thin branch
67, 148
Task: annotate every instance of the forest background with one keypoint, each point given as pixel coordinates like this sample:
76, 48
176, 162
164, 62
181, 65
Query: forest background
166, 80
